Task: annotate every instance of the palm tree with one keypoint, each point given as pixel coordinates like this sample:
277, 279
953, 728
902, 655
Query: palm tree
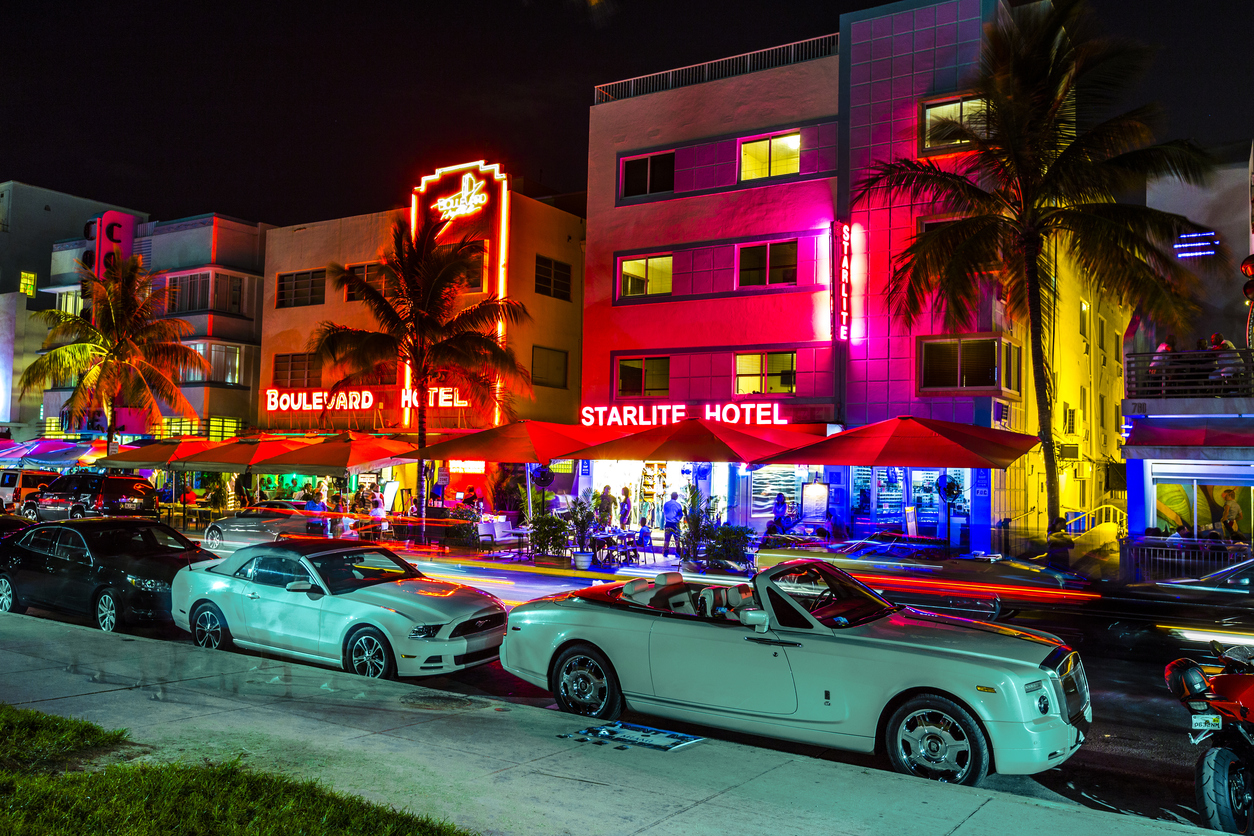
121, 350
1036, 185
424, 323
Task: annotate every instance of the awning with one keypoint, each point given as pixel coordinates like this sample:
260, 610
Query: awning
906, 441
1202, 439
531, 442
158, 455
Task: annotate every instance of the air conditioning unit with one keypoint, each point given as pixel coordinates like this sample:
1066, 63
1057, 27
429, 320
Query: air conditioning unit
1001, 412
1069, 451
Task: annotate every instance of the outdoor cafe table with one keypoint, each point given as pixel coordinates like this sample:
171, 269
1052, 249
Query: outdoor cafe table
610, 542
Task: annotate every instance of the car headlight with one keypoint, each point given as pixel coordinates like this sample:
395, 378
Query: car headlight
425, 631
1042, 703
147, 584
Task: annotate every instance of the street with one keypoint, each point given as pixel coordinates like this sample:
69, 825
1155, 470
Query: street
1138, 759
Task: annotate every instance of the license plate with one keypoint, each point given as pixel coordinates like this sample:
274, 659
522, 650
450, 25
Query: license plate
1207, 722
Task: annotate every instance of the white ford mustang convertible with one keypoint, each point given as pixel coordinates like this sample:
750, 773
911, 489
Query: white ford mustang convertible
807, 653
341, 603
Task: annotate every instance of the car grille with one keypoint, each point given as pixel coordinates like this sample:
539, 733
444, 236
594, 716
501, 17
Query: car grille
1072, 686
477, 656
478, 625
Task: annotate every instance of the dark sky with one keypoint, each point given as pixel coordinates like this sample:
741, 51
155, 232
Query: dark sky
287, 112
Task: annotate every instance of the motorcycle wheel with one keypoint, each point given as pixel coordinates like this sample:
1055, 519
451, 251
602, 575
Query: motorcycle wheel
1224, 789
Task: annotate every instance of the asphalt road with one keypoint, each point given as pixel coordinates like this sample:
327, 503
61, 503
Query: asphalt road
1138, 759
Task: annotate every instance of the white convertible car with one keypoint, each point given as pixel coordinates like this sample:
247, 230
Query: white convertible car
807, 653
341, 603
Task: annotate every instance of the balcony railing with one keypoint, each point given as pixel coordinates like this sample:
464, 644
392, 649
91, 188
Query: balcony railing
823, 46
1158, 559
1225, 373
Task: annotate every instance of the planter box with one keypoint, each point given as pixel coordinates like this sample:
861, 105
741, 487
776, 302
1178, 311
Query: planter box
555, 561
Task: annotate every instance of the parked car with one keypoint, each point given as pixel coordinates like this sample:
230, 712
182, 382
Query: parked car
338, 602
261, 523
807, 653
15, 484
78, 495
11, 523
117, 571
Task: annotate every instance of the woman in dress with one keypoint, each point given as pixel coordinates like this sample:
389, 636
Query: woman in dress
624, 510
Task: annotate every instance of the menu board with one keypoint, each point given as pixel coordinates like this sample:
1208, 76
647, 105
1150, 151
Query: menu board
814, 501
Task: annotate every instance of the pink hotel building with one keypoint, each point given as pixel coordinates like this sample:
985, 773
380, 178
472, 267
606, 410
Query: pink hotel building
719, 224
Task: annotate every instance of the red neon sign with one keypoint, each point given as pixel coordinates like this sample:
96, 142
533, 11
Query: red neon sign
466, 202
843, 312
672, 413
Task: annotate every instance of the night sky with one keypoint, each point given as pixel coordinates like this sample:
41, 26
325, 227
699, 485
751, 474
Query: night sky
285, 112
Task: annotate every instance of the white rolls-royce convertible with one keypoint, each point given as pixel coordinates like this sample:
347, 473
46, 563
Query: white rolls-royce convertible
807, 653
341, 603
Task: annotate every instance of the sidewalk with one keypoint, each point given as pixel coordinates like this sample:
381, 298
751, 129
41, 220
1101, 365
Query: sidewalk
496, 767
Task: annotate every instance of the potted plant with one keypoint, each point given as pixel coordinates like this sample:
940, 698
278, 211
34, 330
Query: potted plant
697, 527
582, 516
548, 541
729, 548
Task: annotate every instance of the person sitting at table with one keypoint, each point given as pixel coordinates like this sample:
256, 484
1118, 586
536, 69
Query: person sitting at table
318, 524
1184, 531
378, 520
188, 497
470, 497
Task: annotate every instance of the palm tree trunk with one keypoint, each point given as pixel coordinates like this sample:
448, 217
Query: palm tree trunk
1040, 378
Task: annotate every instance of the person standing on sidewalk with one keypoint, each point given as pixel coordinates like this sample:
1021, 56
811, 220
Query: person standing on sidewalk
624, 510
672, 513
605, 508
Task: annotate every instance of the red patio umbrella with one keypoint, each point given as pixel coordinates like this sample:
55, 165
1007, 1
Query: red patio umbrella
158, 455
532, 442
238, 454
907, 441
693, 440
340, 455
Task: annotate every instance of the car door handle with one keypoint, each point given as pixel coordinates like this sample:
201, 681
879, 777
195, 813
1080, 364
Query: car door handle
772, 642
253, 595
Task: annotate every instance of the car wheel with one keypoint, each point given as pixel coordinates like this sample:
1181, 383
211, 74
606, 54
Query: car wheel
108, 612
30, 513
209, 628
933, 737
213, 539
369, 655
584, 683
77, 514
8, 597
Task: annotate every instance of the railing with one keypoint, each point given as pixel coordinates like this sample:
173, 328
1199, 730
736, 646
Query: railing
1157, 558
1098, 516
823, 46
1225, 373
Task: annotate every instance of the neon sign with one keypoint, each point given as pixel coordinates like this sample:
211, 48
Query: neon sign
466, 202
843, 313
672, 413
455, 466
354, 400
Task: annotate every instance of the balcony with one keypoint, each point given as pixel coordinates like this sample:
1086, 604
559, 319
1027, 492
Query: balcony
1212, 383
751, 62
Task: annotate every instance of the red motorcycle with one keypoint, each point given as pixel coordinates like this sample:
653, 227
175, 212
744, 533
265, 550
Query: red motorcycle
1220, 703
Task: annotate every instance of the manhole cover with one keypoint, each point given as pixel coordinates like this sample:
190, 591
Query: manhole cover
438, 702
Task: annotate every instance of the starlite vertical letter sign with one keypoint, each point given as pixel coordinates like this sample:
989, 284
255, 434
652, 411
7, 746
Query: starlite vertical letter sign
843, 312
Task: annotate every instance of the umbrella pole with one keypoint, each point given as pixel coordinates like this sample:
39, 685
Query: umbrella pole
527, 470
422, 488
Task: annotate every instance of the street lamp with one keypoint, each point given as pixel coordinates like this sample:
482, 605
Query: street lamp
1247, 270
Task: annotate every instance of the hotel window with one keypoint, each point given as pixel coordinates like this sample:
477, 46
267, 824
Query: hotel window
646, 276
187, 293
70, 302
195, 375
28, 283
770, 157
959, 364
548, 367
764, 264
225, 362
228, 293
220, 429
1101, 333
474, 273
644, 377
552, 278
649, 175
770, 373
1101, 411
1084, 319
298, 290
956, 110
297, 371
372, 273
175, 427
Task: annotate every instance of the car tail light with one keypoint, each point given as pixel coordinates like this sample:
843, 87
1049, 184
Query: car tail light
98, 502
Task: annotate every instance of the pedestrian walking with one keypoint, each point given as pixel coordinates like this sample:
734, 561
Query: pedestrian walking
672, 513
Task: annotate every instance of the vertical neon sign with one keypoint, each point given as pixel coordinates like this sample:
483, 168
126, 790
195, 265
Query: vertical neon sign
844, 314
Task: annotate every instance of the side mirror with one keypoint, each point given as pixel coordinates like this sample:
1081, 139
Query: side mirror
755, 618
299, 586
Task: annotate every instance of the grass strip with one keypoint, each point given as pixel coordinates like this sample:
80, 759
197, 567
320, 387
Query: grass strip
32, 741
213, 800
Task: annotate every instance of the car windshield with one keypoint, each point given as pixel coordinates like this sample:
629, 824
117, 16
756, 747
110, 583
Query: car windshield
830, 596
1231, 573
135, 540
346, 571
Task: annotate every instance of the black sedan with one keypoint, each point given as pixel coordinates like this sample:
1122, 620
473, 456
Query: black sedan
118, 571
